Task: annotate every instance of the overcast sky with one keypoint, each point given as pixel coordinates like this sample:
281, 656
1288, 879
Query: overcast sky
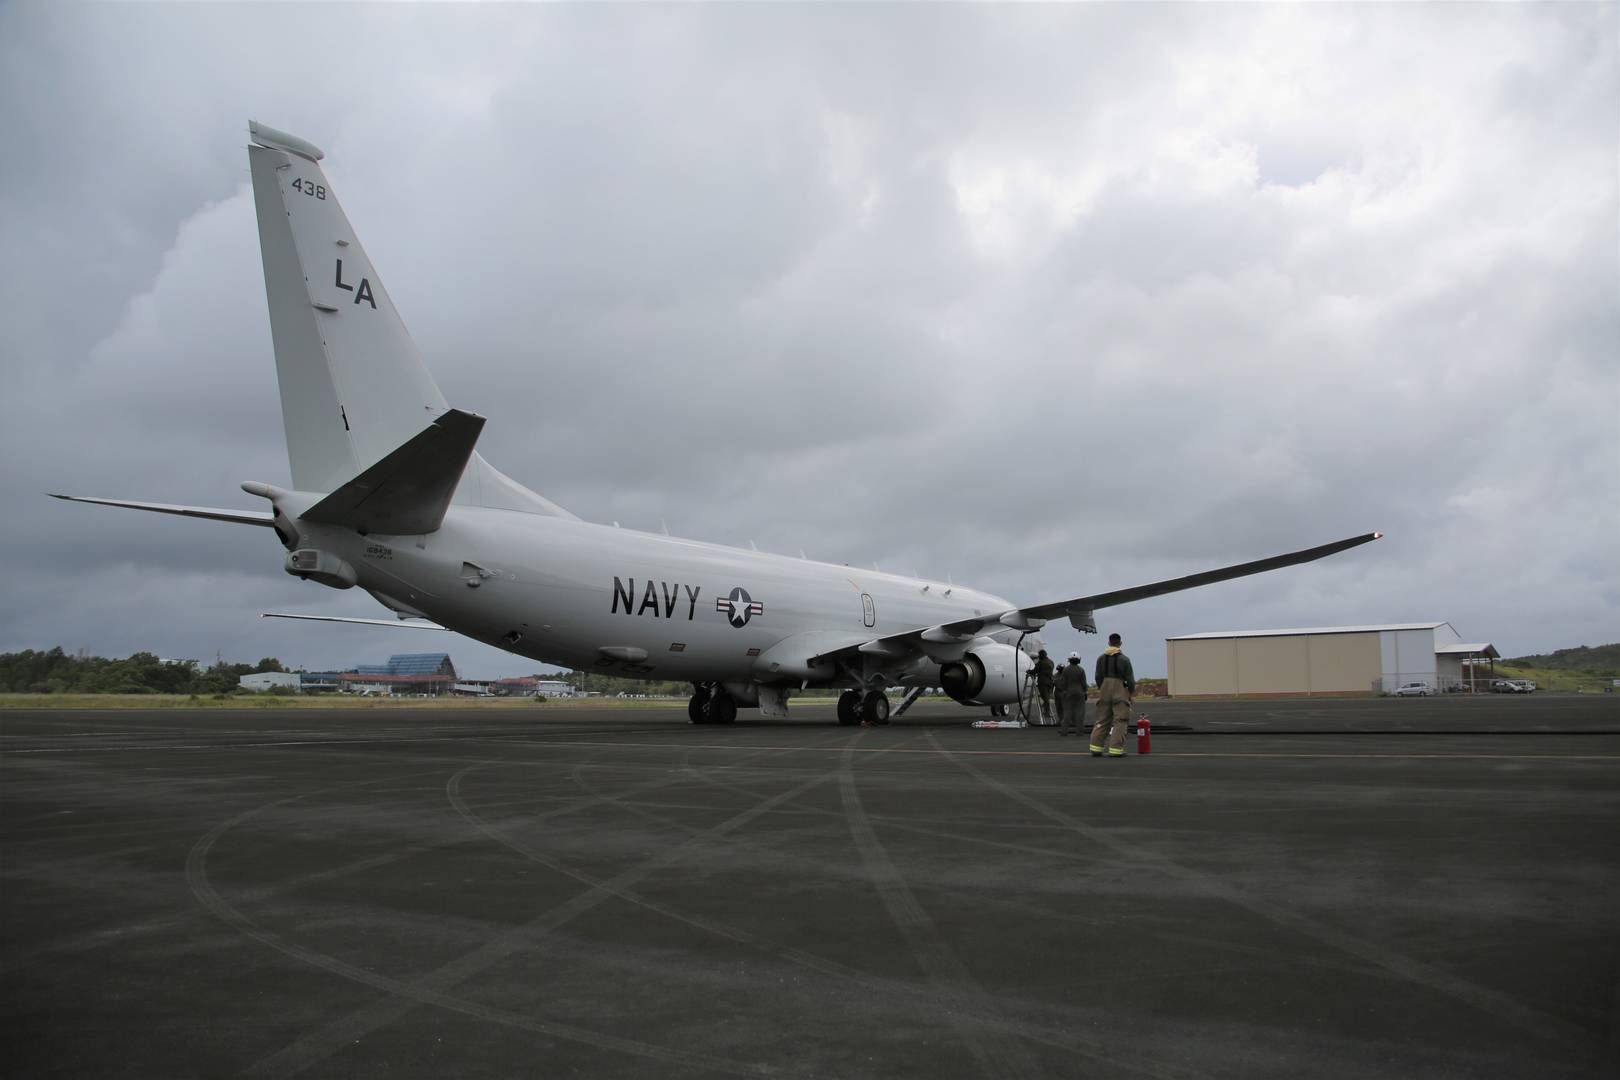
1049, 299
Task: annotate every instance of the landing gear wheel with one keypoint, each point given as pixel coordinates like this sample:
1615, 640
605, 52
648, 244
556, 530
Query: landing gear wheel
697, 710
875, 707
849, 708
722, 708
999, 710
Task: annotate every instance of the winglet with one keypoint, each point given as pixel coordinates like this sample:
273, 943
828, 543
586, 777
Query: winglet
408, 491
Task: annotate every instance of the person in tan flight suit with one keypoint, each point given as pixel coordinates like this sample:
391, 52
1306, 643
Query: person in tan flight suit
1116, 686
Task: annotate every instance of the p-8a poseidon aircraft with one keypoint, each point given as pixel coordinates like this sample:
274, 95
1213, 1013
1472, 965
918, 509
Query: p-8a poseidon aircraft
390, 494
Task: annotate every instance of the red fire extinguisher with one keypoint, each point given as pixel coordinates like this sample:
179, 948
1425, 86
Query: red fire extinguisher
1144, 735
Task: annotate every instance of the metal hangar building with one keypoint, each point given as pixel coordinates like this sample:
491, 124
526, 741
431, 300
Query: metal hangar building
1337, 660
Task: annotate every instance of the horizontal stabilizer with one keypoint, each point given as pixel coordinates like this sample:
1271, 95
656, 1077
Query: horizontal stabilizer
409, 490
404, 624
239, 517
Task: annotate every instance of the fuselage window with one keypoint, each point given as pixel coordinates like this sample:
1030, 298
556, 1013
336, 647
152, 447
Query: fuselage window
868, 611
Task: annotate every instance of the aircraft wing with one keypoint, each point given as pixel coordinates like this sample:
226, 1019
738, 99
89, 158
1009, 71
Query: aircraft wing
240, 517
1079, 609
407, 624
1086, 604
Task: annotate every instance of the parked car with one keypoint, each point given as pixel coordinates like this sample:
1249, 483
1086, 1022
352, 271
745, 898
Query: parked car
1526, 686
1510, 686
1414, 689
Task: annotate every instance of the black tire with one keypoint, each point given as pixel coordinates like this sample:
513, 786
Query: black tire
697, 709
849, 708
875, 707
722, 709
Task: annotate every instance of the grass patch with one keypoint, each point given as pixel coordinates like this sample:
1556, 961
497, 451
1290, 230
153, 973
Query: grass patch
1556, 680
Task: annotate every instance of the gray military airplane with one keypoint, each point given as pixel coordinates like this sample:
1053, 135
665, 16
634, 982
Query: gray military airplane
389, 494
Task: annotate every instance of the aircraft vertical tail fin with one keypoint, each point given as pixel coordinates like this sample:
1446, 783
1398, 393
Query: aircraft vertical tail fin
353, 384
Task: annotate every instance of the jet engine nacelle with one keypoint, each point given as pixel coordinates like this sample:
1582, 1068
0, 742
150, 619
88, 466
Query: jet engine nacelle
986, 675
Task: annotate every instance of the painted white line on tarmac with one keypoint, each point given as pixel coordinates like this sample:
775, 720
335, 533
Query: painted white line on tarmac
333, 742
555, 742
1080, 753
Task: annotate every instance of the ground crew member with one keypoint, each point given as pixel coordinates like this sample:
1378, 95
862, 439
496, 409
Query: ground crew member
1071, 695
1116, 686
1043, 684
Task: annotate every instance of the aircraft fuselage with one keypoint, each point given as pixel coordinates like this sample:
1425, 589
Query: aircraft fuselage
598, 597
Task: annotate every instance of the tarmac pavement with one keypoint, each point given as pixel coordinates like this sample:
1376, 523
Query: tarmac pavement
1420, 887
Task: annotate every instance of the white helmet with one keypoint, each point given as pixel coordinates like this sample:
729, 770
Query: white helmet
1075, 657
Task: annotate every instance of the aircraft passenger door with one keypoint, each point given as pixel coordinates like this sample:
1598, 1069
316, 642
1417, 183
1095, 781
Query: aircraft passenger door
868, 610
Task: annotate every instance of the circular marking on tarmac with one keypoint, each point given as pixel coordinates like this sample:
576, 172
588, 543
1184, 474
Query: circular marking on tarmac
310, 1049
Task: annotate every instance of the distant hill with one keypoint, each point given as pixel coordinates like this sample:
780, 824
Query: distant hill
1596, 659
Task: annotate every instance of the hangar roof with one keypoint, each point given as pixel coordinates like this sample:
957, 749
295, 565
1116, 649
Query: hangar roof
1478, 648
1316, 630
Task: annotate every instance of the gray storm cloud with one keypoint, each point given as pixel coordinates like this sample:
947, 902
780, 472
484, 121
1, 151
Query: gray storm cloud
1049, 299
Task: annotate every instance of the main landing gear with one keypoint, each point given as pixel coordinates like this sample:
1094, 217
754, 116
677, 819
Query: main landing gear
855, 707
711, 705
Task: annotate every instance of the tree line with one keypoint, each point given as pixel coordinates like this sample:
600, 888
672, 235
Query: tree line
1600, 660
54, 671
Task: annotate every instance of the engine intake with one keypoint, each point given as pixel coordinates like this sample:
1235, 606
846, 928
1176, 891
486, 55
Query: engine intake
988, 675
